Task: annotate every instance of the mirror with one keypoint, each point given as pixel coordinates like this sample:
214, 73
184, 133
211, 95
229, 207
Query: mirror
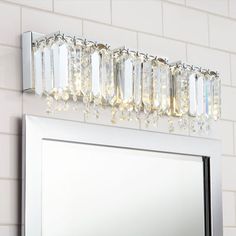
94, 190
91, 180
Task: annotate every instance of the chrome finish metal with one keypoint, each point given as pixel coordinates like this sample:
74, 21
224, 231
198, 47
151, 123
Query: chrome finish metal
27, 59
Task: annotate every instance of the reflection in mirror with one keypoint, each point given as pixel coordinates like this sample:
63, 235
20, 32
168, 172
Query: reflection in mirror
93, 190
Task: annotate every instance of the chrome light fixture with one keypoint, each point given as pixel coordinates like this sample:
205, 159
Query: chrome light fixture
68, 69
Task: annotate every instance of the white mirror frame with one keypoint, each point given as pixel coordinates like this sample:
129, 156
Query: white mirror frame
37, 129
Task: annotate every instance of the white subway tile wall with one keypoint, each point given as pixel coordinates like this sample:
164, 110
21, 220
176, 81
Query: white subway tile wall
222, 33
214, 6
92, 9
185, 24
210, 58
202, 32
162, 47
229, 217
131, 14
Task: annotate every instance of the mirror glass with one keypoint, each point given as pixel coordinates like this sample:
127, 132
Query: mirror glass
91, 190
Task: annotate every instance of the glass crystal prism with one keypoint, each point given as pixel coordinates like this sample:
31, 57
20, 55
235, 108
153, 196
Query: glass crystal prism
48, 69
125, 80
66, 67
147, 86
137, 80
161, 87
181, 92
108, 79
38, 70
60, 53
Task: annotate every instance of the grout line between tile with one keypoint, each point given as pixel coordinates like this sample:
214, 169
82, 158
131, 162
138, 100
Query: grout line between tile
111, 10
9, 46
162, 18
11, 90
2, 224
230, 70
10, 134
208, 29
229, 191
186, 51
228, 6
230, 226
234, 138
235, 207
137, 38
82, 24
10, 179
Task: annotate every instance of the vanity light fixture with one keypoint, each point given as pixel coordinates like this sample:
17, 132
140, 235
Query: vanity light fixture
69, 70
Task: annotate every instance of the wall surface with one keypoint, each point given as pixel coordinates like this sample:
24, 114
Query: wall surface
201, 32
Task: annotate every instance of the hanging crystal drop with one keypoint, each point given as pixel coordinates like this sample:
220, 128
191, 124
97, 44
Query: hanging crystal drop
157, 87
161, 87
208, 96
86, 80
216, 98
60, 51
38, 69
147, 86
96, 77
137, 80
48, 68
165, 88
193, 94
125, 81
200, 95
108, 79
74, 68
86, 84
96, 74
171, 124
181, 92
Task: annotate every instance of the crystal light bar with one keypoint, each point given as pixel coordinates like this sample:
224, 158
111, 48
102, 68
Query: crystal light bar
136, 85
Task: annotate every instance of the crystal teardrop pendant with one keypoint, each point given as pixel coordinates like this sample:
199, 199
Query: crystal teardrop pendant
75, 69
147, 86
60, 63
137, 80
180, 91
48, 68
208, 96
86, 83
200, 95
124, 76
193, 94
161, 87
216, 98
108, 79
38, 69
